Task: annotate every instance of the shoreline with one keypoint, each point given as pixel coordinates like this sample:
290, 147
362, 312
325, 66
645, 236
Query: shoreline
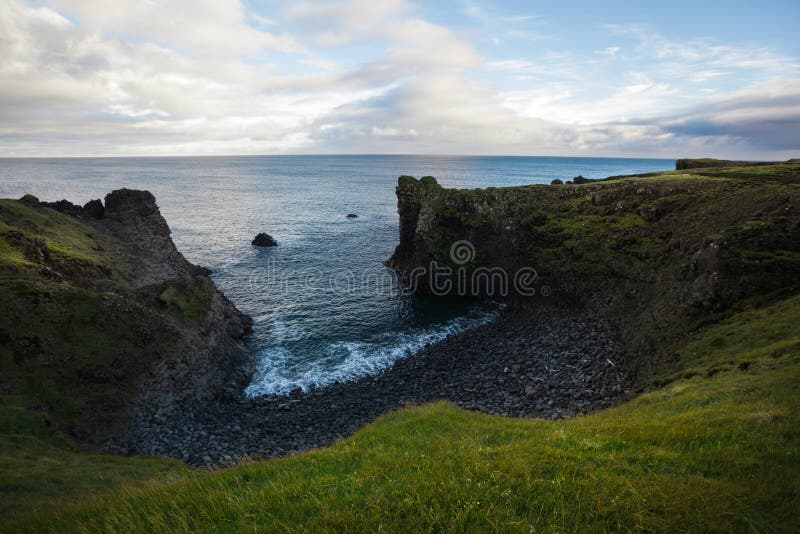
545, 360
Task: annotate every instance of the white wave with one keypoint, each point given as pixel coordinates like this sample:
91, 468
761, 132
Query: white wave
347, 360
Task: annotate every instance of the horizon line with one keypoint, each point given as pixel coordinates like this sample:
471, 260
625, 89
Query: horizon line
330, 154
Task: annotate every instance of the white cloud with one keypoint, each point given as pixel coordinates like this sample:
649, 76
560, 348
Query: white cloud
338, 23
213, 27
214, 77
610, 51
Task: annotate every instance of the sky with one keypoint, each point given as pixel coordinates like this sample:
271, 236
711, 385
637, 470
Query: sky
567, 78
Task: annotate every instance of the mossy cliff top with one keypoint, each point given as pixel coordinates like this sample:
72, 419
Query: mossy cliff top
103, 319
657, 253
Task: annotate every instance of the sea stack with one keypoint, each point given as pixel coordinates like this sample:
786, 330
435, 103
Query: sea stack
264, 240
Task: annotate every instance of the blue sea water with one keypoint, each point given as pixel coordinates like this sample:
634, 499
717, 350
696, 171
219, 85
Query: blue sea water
325, 307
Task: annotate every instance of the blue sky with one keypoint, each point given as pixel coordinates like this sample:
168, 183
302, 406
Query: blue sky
162, 77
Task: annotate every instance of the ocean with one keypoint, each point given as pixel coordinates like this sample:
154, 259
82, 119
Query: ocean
324, 306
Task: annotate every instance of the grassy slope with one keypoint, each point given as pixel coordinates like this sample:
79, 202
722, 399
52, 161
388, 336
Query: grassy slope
717, 450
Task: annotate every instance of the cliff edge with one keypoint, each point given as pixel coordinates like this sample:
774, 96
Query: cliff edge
656, 254
105, 324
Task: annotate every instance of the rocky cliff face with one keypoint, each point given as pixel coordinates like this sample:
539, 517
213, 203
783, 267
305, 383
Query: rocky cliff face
654, 254
105, 322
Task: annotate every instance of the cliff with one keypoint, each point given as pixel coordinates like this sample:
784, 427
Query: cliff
655, 254
707, 163
104, 322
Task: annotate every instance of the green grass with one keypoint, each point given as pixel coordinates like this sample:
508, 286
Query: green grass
42, 472
188, 301
780, 172
717, 448
65, 237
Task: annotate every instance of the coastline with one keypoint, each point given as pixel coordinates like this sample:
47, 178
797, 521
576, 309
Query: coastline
537, 359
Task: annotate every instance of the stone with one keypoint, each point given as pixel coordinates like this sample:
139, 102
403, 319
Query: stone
65, 206
580, 180
93, 209
264, 240
557, 182
352, 216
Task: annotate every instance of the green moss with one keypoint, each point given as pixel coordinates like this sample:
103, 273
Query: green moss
428, 181
10, 255
771, 256
189, 301
443, 210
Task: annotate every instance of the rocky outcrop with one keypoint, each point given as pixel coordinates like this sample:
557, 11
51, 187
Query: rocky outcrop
654, 256
119, 325
264, 240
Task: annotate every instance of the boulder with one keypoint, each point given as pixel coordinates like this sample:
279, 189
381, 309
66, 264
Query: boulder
352, 216
264, 240
65, 206
580, 180
556, 182
93, 209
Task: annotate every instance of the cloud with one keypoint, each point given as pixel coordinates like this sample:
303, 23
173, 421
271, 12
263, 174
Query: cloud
339, 23
766, 116
610, 51
215, 27
174, 77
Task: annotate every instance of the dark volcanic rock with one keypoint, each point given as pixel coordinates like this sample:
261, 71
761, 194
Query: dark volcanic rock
65, 206
93, 209
131, 205
264, 240
560, 357
557, 182
352, 216
581, 180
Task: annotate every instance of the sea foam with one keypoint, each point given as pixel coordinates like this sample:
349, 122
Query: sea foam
348, 360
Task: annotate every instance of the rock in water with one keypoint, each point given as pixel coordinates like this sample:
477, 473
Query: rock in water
264, 240
352, 216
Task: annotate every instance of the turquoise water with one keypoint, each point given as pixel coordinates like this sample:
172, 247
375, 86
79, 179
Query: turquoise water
325, 308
